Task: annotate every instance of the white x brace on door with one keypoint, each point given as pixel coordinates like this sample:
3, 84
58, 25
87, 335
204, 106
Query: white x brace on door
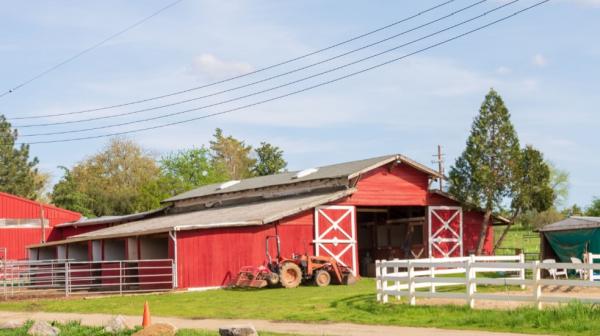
445, 231
335, 234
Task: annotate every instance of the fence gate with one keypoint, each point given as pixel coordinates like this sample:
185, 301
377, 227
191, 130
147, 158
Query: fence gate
445, 231
335, 234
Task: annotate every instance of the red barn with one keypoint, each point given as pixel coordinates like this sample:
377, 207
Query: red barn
355, 212
24, 222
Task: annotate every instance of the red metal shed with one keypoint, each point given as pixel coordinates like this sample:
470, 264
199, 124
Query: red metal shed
24, 222
355, 212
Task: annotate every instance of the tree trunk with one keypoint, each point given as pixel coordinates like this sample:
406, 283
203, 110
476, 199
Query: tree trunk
483, 232
506, 229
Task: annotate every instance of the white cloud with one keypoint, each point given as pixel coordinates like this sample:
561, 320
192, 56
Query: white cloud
539, 60
503, 70
215, 68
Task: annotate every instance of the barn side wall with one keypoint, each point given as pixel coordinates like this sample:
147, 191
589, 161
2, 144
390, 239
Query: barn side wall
15, 241
390, 185
213, 257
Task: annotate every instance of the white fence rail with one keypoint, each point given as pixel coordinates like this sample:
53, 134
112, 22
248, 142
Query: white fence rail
68, 277
402, 278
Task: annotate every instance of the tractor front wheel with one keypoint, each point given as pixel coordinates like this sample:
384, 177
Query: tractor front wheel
273, 279
322, 278
290, 275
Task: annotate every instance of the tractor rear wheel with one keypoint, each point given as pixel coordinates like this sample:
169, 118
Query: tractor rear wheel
322, 278
290, 275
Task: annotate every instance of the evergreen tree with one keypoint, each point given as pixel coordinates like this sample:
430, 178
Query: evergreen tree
483, 174
231, 155
270, 160
17, 171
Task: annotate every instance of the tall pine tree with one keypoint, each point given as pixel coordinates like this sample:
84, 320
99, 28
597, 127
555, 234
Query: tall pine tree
483, 175
17, 171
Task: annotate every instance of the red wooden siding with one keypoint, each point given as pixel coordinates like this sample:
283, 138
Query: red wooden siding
213, 257
390, 185
69, 231
15, 240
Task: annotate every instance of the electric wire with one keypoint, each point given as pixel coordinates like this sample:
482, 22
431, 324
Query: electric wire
241, 75
251, 83
300, 90
85, 51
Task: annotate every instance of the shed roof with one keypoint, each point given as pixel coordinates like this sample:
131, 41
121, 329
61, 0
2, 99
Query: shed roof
258, 213
573, 223
112, 219
341, 170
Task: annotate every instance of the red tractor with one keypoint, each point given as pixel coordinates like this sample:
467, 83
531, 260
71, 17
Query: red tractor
290, 273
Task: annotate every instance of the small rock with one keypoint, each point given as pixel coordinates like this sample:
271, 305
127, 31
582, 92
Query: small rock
241, 330
43, 328
116, 324
157, 329
11, 324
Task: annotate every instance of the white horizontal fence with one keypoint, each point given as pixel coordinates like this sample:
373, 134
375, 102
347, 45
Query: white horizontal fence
402, 278
21, 279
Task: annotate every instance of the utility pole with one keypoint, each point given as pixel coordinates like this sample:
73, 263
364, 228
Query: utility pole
440, 161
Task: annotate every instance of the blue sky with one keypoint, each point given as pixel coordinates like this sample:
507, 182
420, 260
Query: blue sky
545, 64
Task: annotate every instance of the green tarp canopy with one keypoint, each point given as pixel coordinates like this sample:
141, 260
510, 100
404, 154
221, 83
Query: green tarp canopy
574, 243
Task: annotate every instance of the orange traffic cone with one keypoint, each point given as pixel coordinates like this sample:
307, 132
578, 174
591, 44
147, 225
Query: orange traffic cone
146, 318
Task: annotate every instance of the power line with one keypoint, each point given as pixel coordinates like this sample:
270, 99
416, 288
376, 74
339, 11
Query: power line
301, 90
242, 75
275, 87
85, 51
251, 83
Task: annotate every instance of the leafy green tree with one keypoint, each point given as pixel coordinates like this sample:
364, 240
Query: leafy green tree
17, 171
536, 219
270, 160
231, 155
66, 194
493, 171
574, 210
110, 182
187, 169
559, 180
594, 208
531, 188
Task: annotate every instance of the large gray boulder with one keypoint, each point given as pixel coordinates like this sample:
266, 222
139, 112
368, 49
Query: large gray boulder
11, 324
43, 328
238, 330
116, 325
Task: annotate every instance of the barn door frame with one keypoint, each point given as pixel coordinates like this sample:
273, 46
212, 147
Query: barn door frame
458, 236
320, 241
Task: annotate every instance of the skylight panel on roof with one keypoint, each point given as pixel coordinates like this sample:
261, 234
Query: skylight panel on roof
305, 172
228, 184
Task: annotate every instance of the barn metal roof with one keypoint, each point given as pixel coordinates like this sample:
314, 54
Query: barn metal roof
112, 219
341, 170
258, 213
573, 223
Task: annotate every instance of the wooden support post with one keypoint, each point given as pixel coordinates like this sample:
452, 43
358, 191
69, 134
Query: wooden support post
432, 275
590, 261
537, 287
522, 270
411, 284
470, 275
472, 260
378, 282
397, 282
67, 279
384, 283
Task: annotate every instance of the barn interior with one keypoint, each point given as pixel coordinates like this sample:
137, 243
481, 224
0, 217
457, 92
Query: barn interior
388, 233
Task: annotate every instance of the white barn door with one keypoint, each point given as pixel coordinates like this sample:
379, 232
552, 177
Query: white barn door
445, 231
335, 234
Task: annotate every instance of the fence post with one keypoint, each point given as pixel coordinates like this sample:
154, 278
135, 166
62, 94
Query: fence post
174, 274
470, 273
522, 270
397, 282
537, 288
432, 275
411, 284
472, 259
378, 279
590, 260
67, 279
120, 277
384, 283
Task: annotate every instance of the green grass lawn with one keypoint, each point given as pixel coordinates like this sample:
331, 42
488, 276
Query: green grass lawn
517, 238
76, 329
354, 304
